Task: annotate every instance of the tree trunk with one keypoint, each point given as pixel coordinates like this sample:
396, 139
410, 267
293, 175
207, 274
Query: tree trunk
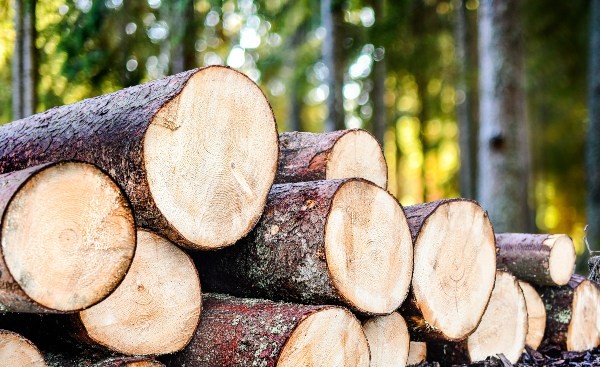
504, 157
336, 155
184, 148
388, 340
180, 16
24, 65
154, 310
16, 350
572, 313
536, 316
379, 121
540, 259
417, 353
332, 19
503, 328
319, 242
592, 153
251, 332
67, 235
455, 262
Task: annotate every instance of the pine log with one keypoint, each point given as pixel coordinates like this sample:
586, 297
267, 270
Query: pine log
417, 353
572, 314
192, 151
388, 340
342, 242
327, 156
539, 259
536, 315
155, 309
502, 330
16, 350
252, 332
454, 269
68, 238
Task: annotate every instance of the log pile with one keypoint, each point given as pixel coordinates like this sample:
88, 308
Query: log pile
118, 213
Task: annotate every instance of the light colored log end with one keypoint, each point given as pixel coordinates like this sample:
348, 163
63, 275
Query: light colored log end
68, 236
388, 340
15, 350
368, 247
536, 315
211, 157
417, 353
562, 258
331, 337
357, 154
503, 327
584, 329
157, 307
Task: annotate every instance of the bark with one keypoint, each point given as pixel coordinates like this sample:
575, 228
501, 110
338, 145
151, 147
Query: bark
527, 256
91, 358
24, 65
594, 264
592, 153
332, 19
504, 157
243, 332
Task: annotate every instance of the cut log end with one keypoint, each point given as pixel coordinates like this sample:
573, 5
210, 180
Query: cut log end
211, 157
357, 154
388, 340
503, 327
583, 332
156, 308
562, 258
368, 247
331, 337
454, 268
417, 353
68, 236
15, 350
536, 315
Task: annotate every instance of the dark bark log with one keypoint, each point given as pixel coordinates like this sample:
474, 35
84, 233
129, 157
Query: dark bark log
307, 157
251, 332
20, 280
539, 259
288, 255
112, 132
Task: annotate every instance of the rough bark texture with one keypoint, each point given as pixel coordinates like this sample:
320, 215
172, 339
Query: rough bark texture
241, 332
526, 256
504, 157
92, 358
594, 264
283, 258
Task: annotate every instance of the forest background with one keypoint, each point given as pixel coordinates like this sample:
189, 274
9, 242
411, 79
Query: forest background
433, 80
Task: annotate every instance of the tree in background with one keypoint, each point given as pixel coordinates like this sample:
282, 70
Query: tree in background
593, 133
504, 157
25, 69
332, 19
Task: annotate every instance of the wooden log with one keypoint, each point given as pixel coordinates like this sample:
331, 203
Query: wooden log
572, 314
68, 237
16, 350
417, 353
328, 156
253, 332
320, 242
192, 151
536, 315
539, 259
388, 340
155, 309
454, 269
502, 330
594, 265
97, 359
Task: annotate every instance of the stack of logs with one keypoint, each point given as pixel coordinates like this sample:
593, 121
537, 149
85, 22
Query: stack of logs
115, 209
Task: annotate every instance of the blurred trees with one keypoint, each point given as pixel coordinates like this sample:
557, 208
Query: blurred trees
593, 135
24, 60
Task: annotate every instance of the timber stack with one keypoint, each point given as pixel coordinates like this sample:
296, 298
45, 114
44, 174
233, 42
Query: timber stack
169, 224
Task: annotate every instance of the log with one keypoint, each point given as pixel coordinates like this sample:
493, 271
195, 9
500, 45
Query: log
417, 353
536, 315
339, 154
502, 330
155, 309
594, 265
388, 340
572, 314
454, 269
192, 151
342, 242
253, 332
68, 237
16, 350
539, 259
98, 360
